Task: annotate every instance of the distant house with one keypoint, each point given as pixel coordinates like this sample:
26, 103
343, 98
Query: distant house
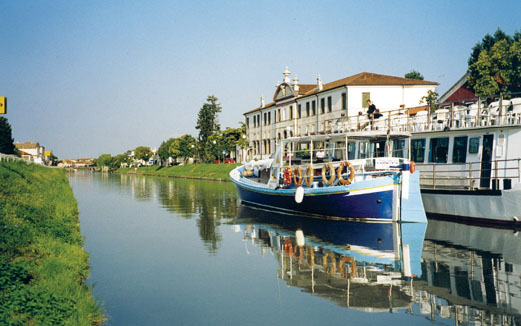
79, 163
459, 92
83, 163
32, 152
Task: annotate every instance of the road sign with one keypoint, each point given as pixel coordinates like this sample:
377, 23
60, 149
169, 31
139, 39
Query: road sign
3, 105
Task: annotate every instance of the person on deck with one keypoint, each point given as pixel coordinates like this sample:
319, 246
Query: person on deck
372, 111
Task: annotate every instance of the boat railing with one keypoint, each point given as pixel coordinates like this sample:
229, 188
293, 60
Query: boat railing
361, 166
495, 175
461, 114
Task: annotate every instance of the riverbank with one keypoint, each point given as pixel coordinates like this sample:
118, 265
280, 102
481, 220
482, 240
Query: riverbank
218, 172
43, 266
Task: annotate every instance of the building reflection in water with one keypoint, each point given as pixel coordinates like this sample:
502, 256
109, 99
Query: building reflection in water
467, 274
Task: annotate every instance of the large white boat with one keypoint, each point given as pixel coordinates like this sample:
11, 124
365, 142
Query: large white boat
468, 154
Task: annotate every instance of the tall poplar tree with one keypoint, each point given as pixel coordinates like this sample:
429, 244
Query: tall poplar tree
207, 121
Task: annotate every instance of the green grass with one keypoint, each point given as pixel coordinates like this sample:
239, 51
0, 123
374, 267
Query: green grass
43, 266
199, 171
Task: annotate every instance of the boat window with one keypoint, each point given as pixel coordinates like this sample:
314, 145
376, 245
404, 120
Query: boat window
303, 151
339, 151
474, 145
459, 152
439, 149
398, 147
378, 149
351, 151
364, 149
418, 150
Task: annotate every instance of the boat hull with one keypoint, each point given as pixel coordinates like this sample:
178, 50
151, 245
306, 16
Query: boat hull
338, 203
372, 199
480, 207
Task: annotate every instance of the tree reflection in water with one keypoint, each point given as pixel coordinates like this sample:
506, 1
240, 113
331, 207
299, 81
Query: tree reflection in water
207, 201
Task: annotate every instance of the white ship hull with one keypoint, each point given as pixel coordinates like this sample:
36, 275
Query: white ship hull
500, 207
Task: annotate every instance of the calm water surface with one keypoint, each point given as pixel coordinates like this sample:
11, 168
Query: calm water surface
185, 252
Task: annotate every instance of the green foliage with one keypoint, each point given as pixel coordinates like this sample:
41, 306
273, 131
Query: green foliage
494, 64
104, 160
164, 149
413, 74
186, 146
207, 122
42, 264
120, 159
430, 99
143, 153
6, 138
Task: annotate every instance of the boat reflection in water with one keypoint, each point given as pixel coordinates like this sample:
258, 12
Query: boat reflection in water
471, 274
363, 266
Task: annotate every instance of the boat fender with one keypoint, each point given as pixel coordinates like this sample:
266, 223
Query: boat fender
412, 166
299, 195
325, 168
351, 169
301, 241
288, 174
297, 176
308, 176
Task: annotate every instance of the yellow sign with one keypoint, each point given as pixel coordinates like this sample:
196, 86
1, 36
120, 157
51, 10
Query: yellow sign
3, 105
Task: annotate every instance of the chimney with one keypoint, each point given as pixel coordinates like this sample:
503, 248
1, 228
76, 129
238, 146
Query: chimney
262, 101
319, 83
295, 83
286, 74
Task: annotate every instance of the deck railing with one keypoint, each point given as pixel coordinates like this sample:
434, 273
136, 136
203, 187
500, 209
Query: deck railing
497, 174
462, 114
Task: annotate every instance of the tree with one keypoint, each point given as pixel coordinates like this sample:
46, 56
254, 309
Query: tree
143, 153
6, 138
494, 65
187, 145
120, 159
413, 74
164, 149
431, 99
207, 121
104, 160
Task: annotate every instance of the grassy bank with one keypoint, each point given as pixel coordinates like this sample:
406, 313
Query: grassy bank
198, 171
42, 264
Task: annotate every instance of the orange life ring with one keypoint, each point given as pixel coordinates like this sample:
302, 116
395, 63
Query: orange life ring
288, 174
412, 166
297, 176
308, 176
329, 167
351, 169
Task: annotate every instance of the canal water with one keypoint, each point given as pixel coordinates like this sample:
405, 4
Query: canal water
185, 252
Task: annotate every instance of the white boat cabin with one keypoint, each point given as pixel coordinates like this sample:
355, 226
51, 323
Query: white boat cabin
473, 146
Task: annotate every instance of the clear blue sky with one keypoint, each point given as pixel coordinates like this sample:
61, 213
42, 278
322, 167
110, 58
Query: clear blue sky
90, 77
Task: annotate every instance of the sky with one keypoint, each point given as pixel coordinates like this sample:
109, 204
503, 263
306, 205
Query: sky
84, 78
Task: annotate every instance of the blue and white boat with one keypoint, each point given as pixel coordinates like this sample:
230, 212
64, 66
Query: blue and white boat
351, 175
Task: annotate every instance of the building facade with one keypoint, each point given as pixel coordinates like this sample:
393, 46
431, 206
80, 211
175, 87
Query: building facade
304, 109
33, 152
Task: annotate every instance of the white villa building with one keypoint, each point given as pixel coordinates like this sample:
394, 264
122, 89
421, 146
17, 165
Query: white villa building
303, 109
